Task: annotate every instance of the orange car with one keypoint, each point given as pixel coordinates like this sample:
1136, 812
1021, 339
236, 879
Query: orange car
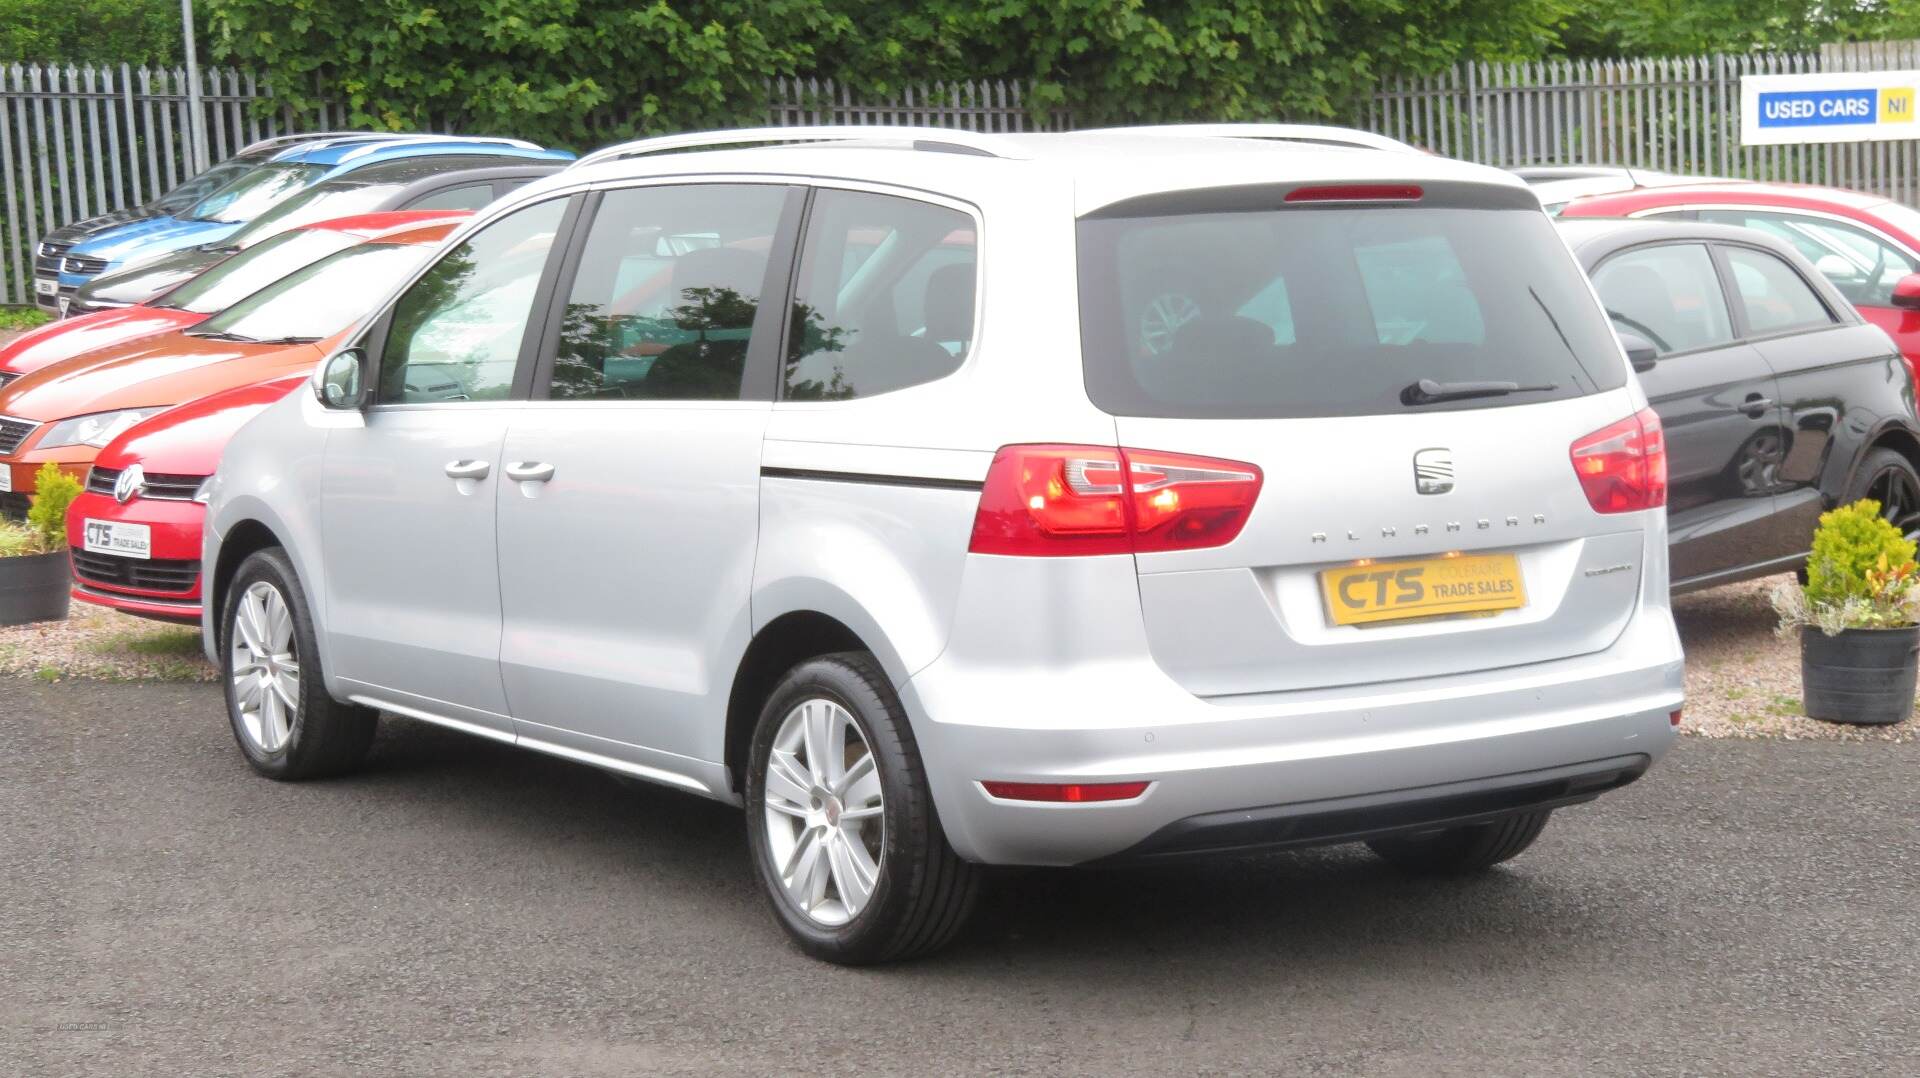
67, 411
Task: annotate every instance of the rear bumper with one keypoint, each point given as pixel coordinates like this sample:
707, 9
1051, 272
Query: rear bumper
1282, 769
1366, 816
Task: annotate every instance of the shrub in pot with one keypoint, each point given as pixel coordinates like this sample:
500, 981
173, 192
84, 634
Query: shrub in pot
1858, 616
35, 578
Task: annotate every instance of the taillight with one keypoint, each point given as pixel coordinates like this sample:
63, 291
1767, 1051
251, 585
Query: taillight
1057, 500
1623, 467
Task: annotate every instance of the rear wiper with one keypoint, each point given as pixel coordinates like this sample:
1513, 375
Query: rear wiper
237, 338
1428, 391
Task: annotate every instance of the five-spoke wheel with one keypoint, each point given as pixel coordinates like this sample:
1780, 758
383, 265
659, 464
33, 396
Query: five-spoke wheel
825, 821
265, 666
841, 821
284, 721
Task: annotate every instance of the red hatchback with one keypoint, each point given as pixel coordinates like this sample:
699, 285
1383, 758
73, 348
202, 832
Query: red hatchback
220, 287
1868, 246
135, 532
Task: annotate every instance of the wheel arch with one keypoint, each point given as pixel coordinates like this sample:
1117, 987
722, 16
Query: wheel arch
784, 642
1891, 434
244, 538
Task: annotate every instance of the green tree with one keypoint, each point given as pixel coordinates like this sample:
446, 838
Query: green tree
90, 31
582, 72
1692, 27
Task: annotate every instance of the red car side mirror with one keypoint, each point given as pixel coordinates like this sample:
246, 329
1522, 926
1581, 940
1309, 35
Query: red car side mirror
1906, 292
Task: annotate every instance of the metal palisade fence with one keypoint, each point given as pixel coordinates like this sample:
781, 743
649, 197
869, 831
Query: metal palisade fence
80, 141
1678, 114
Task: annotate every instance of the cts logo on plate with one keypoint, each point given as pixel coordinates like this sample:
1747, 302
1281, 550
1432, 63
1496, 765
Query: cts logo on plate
1433, 471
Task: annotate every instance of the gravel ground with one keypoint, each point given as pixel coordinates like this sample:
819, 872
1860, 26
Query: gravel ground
105, 645
1742, 680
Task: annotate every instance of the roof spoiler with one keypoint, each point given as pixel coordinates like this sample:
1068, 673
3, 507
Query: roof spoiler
1322, 134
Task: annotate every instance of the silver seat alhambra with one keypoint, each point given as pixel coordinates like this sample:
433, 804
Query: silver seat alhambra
951, 500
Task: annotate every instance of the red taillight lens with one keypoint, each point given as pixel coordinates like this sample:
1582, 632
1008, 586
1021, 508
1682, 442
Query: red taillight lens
1623, 467
1066, 791
1058, 500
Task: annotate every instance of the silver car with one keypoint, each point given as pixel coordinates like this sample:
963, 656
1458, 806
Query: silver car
950, 500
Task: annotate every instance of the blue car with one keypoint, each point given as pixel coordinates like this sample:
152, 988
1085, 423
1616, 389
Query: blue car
54, 246
260, 189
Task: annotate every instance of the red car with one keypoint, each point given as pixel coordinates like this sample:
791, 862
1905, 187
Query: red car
220, 287
1868, 246
135, 532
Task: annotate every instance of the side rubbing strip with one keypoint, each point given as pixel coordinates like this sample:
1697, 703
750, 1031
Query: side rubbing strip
875, 478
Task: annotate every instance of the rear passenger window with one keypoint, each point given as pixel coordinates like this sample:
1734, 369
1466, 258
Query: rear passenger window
1669, 295
663, 304
1776, 298
885, 297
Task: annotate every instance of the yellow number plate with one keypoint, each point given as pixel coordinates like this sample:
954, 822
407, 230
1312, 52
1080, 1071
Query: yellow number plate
1392, 590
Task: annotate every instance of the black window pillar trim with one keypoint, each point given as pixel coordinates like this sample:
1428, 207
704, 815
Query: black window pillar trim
773, 321
534, 374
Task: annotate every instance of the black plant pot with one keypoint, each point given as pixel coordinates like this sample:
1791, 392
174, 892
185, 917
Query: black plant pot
34, 588
1863, 676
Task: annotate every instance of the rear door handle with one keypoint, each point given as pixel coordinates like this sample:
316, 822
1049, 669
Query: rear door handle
1756, 405
529, 471
468, 469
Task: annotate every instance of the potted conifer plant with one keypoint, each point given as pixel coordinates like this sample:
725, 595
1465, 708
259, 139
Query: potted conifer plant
1858, 616
35, 578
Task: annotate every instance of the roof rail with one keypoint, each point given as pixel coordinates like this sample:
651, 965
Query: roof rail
1319, 134
941, 139
294, 140
325, 140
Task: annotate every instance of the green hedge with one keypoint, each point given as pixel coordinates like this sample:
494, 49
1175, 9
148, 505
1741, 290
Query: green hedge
582, 72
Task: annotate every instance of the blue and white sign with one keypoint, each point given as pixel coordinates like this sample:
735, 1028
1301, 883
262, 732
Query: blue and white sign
1865, 106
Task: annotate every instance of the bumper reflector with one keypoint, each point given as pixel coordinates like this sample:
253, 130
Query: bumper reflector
1066, 791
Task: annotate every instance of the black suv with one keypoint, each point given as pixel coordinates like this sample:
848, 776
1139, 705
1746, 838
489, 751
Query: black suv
1779, 401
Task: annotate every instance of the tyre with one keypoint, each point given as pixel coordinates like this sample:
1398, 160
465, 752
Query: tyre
1890, 479
287, 726
841, 821
1460, 850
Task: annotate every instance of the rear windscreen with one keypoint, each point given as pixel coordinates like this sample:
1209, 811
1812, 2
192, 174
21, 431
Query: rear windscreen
1334, 311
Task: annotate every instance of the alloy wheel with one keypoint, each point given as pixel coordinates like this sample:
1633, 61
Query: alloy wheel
825, 826
265, 666
1898, 493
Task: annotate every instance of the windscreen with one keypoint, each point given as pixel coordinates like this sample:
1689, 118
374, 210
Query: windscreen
322, 299
236, 278
255, 193
1334, 310
322, 203
193, 190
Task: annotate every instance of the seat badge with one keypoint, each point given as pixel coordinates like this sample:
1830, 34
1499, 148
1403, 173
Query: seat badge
1433, 471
